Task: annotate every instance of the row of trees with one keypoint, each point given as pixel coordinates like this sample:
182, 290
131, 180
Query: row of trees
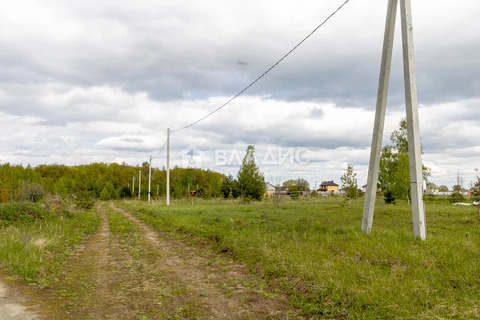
394, 177
113, 181
103, 181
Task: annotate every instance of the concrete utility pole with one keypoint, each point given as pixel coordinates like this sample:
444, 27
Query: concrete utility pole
133, 185
149, 177
168, 167
139, 183
413, 128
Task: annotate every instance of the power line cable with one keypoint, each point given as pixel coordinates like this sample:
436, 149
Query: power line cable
161, 149
266, 72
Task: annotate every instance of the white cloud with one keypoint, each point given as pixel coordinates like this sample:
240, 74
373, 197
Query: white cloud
84, 81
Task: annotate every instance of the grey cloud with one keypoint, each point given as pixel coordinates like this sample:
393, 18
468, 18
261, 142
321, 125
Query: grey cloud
317, 113
174, 51
170, 64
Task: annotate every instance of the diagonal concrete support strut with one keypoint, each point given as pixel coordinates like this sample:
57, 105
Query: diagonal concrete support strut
413, 128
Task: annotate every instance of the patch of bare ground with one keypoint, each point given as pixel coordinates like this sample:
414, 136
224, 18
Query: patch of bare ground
215, 286
12, 304
91, 284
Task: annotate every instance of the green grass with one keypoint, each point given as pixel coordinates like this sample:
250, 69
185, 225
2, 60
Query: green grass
315, 250
11, 213
35, 240
128, 234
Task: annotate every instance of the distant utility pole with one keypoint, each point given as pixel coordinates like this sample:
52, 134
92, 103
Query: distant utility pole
139, 183
413, 128
133, 185
168, 167
149, 177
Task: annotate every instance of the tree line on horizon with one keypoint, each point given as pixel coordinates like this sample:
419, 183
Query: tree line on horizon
105, 181
117, 181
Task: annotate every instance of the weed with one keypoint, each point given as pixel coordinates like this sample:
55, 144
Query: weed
37, 242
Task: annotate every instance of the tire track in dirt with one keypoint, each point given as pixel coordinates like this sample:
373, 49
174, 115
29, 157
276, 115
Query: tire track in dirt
110, 278
142, 274
85, 276
218, 291
12, 305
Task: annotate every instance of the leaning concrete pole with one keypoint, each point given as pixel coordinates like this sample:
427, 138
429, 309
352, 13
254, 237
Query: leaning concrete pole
149, 177
133, 185
413, 127
168, 168
139, 183
377, 136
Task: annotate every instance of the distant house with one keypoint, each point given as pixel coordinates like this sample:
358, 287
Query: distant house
281, 191
328, 186
364, 188
432, 190
269, 190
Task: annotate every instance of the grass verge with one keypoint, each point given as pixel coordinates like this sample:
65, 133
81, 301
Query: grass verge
315, 250
35, 240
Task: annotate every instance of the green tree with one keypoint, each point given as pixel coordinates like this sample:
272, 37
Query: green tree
394, 175
296, 185
105, 194
230, 187
32, 192
250, 181
431, 186
125, 192
214, 180
443, 188
349, 182
4, 182
111, 189
457, 195
476, 187
476, 194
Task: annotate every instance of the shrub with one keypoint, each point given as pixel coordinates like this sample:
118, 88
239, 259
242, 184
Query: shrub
32, 192
84, 201
105, 194
389, 197
13, 212
125, 192
456, 197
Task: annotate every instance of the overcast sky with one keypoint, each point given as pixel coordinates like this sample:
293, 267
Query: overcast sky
101, 81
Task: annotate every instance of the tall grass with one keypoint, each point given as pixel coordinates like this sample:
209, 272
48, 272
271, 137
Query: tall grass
34, 249
316, 251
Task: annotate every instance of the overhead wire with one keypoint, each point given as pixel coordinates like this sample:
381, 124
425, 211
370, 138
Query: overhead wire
161, 149
264, 73
258, 78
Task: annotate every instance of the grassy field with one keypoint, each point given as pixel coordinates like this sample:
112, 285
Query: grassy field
35, 240
314, 249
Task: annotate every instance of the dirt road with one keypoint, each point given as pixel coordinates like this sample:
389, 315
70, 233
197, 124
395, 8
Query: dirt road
142, 274
12, 305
